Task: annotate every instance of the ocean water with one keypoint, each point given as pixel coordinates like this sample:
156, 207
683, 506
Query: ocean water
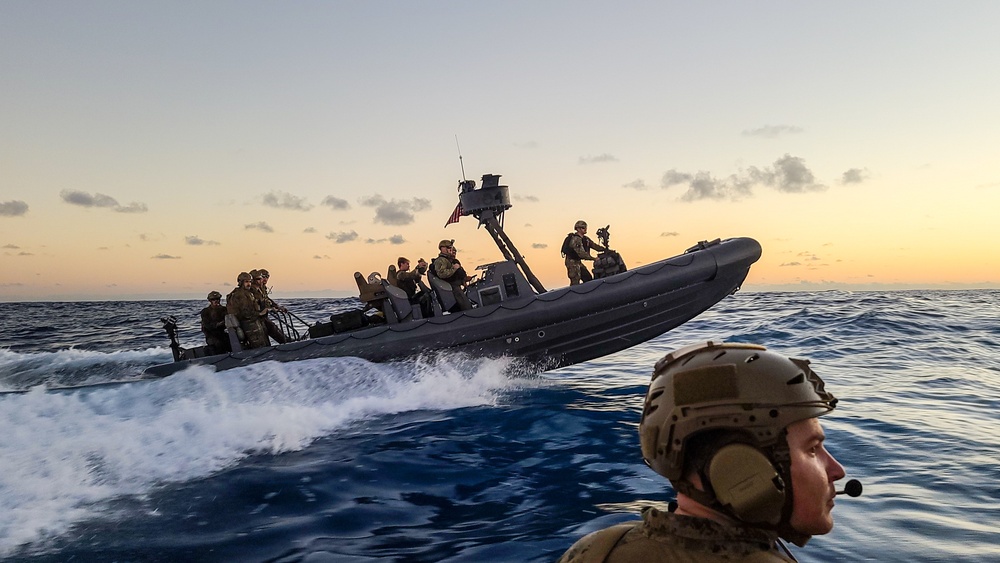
450, 458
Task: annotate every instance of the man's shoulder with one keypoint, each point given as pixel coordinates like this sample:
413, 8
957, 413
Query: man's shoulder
596, 546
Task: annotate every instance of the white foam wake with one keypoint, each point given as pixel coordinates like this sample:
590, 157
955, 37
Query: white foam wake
63, 453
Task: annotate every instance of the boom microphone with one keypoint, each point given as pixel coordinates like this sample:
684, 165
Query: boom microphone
852, 488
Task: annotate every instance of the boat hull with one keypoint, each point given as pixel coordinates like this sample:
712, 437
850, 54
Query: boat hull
554, 329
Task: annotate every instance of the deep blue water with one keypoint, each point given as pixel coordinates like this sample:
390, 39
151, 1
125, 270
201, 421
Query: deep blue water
451, 458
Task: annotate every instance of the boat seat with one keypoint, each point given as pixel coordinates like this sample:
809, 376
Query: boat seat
372, 292
441, 291
397, 306
390, 276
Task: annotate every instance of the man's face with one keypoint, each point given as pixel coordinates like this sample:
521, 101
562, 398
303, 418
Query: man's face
404, 265
264, 278
246, 284
581, 231
448, 250
814, 471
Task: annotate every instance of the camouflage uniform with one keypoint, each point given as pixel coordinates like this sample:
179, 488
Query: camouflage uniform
580, 250
265, 302
409, 281
242, 304
213, 324
666, 537
451, 271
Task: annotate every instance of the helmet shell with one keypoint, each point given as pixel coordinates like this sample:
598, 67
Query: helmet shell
244, 276
214, 295
723, 386
580, 225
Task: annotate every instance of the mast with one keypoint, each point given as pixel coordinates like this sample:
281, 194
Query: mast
487, 204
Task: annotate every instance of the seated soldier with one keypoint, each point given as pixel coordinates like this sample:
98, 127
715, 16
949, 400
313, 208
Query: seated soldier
449, 269
213, 324
409, 281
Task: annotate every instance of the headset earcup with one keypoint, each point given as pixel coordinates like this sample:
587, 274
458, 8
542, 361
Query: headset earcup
744, 479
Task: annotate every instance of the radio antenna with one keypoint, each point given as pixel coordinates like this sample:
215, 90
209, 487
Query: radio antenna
460, 163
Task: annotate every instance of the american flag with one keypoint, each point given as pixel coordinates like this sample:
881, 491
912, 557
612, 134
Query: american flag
455, 215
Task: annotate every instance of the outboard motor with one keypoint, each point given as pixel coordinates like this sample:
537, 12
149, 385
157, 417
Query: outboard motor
607, 263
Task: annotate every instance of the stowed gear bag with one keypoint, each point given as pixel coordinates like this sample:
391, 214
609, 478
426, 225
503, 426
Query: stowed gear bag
607, 263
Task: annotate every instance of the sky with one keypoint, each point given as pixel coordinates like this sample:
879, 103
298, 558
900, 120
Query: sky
156, 150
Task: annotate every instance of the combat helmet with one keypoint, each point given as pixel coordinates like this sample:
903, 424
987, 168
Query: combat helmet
580, 225
737, 399
244, 276
213, 295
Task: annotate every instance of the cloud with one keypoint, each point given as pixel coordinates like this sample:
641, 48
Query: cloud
12, 246
670, 234
198, 241
673, 177
83, 199
165, 257
539, 245
597, 159
13, 208
394, 239
259, 226
854, 176
772, 131
528, 198
284, 200
24, 253
341, 238
395, 212
790, 264
309, 230
788, 174
323, 257
335, 202
636, 185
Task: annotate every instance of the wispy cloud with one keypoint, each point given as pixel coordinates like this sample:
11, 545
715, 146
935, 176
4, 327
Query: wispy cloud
539, 245
598, 159
788, 174
670, 234
341, 238
527, 198
394, 239
285, 200
335, 202
636, 185
83, 199
13, 208
165, 257
309, 230
259, 226
395, 212
772, 131
198, 241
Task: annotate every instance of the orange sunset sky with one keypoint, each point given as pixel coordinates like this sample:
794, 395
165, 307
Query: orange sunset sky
156, 150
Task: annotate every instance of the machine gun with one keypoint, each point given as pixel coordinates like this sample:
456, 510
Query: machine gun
609, 262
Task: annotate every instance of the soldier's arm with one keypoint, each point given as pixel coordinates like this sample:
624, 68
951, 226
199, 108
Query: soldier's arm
581, 252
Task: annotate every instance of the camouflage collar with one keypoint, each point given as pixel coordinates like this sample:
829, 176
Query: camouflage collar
702, 534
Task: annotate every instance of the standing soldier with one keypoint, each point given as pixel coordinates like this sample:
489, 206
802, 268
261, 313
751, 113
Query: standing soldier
576, 248
242, 304
265, 303
213, 324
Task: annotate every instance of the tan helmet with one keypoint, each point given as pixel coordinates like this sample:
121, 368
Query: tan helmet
264, 273
580, 225
213, 295
255, 274
737, 399
446, 243
243, 277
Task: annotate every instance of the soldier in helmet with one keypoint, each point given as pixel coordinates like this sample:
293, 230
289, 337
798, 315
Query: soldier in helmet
265, 302
734, 428
447, 267
576, 248
242, 304
213, 324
